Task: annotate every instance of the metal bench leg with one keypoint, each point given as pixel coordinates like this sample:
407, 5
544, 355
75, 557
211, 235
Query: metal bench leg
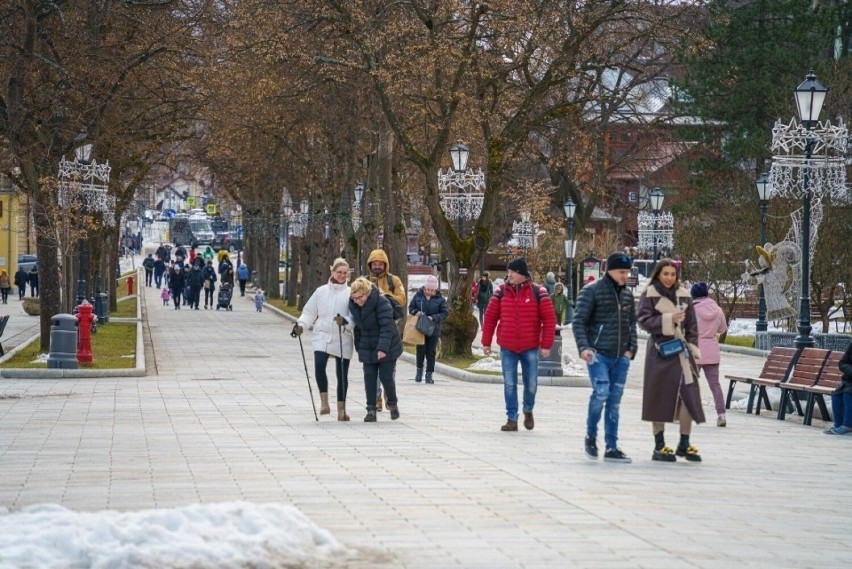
752, 390
762, 393
809, 410
782, 406
823, 410
731, 384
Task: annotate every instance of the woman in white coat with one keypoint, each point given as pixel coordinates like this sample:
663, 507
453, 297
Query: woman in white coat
711, 323
327, 312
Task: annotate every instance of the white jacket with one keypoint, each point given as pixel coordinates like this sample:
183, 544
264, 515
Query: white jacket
325, 303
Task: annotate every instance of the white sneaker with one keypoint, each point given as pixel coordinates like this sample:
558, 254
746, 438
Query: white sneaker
720, 420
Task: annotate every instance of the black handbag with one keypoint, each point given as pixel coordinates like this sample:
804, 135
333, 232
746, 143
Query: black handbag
425, 325
671, 348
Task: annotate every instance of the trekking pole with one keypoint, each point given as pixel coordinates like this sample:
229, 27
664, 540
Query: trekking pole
343, 373
308, 377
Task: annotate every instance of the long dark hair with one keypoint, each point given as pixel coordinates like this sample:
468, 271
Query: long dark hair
661, 264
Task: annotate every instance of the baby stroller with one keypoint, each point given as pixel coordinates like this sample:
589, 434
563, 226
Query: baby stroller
226, 290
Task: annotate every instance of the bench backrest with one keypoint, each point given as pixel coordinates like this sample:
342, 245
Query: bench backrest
777, 364
831, 377
809, 367
3, 321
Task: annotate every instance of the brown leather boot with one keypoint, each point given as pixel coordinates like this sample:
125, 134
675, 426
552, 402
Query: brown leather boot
529, 423
341, 411
510, 426
324, 408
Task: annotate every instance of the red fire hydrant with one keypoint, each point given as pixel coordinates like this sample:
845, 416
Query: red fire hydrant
84, 331
129, 285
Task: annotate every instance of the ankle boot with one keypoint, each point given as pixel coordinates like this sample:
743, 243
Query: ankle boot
686, 450
418, 377
324, 408
341, 411
661, 451
394, 412
429, 377
371, 416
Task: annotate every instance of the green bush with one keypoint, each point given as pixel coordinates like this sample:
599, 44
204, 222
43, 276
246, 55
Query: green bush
743, 341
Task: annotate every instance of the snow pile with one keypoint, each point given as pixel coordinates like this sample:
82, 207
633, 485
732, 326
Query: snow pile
228, 534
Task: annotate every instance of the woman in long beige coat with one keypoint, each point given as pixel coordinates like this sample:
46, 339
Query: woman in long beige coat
671, 391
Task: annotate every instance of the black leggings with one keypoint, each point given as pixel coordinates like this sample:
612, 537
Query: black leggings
208, 296
320, 362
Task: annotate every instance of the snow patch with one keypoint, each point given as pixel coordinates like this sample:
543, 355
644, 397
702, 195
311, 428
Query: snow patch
228, 534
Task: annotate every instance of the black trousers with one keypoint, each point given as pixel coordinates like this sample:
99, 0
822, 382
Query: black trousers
208, 296
342, 372
194, 296
243, 287
380, 372
148, 275
427, 351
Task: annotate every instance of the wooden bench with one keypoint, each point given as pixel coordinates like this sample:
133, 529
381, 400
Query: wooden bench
827, 382
3, 321
806, 373
776, 368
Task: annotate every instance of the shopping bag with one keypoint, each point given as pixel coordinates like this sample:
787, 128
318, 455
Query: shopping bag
410, 334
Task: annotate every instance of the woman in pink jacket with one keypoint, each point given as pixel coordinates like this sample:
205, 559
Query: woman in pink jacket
711, 323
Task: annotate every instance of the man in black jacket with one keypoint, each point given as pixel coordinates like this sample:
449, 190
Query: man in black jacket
605, 330
148, 263
196, 281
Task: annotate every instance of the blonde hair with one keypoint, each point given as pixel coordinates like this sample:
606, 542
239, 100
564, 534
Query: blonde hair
360, 286
339, 262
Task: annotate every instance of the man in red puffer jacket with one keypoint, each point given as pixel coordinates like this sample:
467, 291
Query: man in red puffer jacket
527, 325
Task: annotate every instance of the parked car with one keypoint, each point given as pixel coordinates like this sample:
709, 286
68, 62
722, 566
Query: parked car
224, 240
27, 262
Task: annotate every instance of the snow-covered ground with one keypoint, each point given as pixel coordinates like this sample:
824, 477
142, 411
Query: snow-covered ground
229, 534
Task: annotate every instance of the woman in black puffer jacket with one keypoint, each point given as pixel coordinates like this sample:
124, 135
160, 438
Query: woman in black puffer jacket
377, 341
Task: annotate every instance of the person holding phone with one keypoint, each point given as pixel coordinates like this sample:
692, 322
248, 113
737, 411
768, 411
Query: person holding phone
670, 392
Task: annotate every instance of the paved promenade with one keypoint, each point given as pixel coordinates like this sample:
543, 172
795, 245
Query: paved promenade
225, 415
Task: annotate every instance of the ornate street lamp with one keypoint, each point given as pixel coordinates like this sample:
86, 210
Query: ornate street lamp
462, 191
92, 179
763, 189
357, 213
287, 210
657, 196
810, 95
570, 208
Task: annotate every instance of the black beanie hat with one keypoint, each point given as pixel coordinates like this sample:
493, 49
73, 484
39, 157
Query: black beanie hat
519, 266
618, 261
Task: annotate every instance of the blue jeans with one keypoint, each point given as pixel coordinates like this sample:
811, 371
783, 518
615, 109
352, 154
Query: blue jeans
529, 369
607, 376
841, 410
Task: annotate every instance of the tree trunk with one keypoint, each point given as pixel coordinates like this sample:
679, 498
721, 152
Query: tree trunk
48, 272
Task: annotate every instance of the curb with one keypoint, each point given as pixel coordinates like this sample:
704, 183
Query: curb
43, 373
468, 376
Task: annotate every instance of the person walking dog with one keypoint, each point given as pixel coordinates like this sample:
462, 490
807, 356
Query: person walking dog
527, 326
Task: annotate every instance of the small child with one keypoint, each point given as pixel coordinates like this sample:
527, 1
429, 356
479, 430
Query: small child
259, 299
164, 294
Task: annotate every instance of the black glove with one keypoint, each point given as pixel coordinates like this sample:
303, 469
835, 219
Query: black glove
297, 330
340, 321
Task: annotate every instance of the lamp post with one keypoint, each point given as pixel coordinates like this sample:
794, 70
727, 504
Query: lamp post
657, 197
356, 219
570, 207
287, 210
459, 153
763, 189
810, 95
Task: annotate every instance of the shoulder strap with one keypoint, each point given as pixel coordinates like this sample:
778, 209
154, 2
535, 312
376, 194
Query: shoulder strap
391, 286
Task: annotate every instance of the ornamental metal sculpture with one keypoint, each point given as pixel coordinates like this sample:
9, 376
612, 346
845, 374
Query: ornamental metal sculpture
656, 231
462, 193
86, 181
